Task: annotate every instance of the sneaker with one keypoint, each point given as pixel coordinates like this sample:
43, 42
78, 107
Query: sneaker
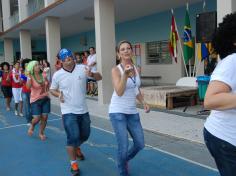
75, 169
21, 114
16, 113
80, 155
8, 109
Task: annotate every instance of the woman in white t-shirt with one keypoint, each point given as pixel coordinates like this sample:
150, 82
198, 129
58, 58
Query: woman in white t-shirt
122, 111
220, 127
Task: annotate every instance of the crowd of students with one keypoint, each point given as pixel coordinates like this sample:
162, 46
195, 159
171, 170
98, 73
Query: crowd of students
69, 84
31, 82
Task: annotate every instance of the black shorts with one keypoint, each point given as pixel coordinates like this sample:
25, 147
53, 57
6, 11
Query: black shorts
7, 91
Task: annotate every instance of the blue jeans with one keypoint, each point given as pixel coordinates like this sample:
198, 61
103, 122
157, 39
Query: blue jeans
77, 127
26, 106
122, 124
223, 152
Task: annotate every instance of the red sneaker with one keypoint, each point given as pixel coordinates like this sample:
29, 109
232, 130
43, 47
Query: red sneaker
75, 169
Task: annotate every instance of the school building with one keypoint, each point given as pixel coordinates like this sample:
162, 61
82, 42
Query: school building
39, 28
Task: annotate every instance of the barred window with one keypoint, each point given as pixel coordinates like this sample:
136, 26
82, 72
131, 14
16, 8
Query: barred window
13, 7
157, 52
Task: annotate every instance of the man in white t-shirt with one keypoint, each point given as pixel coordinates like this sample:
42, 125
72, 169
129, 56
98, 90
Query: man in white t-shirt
92, 64
220, 127
69, 85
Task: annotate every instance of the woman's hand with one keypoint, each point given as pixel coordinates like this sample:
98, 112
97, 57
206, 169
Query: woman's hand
146, 107
128, 70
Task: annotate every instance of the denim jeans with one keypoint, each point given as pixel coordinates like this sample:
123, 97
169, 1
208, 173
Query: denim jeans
77, 127
26, 106
122, 124
223, 152
41, 107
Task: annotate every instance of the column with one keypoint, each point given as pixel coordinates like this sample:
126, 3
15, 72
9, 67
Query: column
22, 9
48, 2
25, 44
225, 7
53, 39
6, 14
8, 51
105, 46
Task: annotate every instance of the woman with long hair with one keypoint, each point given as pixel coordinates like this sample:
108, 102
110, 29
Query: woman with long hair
6, 84
122, 111
39, 98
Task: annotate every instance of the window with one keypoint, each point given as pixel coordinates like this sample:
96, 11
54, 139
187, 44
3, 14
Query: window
157, 52
13, 7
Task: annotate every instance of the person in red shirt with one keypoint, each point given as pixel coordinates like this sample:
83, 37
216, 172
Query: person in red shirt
17, 88
85, 57
6, 84
58, 64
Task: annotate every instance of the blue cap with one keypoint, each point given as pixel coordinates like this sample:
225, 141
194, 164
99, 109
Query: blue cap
64, 53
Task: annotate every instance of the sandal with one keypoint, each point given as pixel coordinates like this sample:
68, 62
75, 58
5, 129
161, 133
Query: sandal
30, 131
42, 137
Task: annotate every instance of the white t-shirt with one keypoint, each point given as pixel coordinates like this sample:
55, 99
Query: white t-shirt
90, 60
222, 124
73, 86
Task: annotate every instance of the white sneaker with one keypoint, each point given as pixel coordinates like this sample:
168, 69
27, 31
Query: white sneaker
16, 113
20, 114
8, 109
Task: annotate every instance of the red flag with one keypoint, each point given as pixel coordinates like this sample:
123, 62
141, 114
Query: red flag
173, 39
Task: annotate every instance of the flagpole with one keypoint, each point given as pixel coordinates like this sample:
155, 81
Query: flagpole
189, 62
195, 58
199, 64
180, 44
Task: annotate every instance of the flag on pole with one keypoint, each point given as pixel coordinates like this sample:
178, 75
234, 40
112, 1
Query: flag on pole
188, 43
173, 39
203, 51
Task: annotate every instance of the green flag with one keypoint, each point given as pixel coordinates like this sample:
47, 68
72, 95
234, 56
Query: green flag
188, 43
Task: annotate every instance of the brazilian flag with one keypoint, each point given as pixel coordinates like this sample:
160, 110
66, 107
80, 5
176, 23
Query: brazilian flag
188, 43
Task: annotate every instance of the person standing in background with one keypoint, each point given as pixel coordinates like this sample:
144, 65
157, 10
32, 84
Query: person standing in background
17, 88
85, 57
46, 70
92, 65
26, 92
6, 84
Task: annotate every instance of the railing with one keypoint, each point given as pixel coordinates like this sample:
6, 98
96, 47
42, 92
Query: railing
34, 6
14, 19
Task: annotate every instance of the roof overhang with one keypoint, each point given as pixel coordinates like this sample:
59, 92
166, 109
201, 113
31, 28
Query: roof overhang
77, 16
